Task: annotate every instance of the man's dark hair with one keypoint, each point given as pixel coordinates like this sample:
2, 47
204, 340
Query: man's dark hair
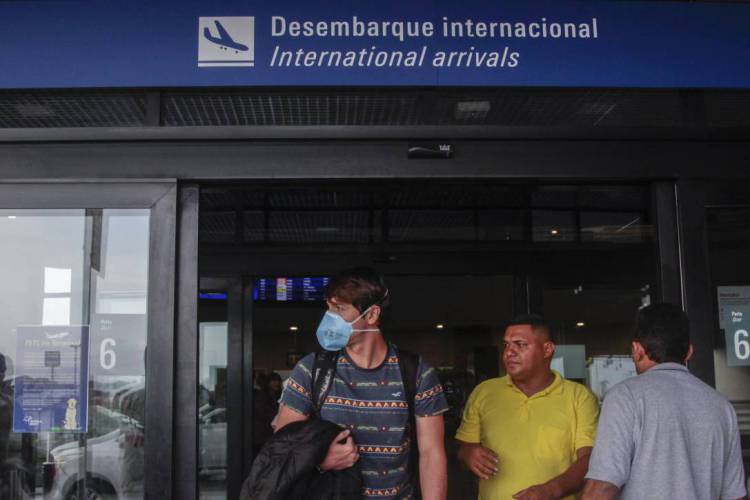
664, 332
362, 287
262, 380
537, 321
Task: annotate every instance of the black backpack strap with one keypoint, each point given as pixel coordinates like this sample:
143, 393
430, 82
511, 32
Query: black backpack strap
408, 362
323, 372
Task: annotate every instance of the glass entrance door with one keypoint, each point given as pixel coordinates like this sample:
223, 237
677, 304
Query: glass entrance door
74, 323
461, 259
223, 390
213, 362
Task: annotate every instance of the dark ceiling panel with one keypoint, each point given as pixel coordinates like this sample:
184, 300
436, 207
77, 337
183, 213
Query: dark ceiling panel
254, 226
49, 109
285, 213
561, 107
431, 225
318, 198
319, 227
218, 227
455, 196
300, 108
451, 107
728, 109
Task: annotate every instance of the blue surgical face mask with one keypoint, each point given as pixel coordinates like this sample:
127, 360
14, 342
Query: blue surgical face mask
334, 331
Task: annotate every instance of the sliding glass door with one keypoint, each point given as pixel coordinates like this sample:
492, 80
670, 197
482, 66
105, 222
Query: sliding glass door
82, 300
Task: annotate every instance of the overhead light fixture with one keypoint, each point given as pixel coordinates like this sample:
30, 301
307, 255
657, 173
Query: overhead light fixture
580, 324
11, 216
440, 326
293, 328
34, 110
554, 232
472, 110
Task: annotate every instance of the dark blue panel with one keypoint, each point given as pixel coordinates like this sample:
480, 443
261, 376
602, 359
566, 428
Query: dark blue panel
140, 43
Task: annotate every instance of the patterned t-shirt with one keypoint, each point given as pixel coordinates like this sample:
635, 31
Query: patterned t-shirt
371, 403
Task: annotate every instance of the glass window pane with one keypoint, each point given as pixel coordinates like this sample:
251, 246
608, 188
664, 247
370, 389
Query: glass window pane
614, 227
73, 347
501, 225
592, 326
431, 225
553, 225
213, 340
729, 238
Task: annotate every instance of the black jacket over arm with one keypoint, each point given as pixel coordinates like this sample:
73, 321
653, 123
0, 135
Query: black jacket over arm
286, 467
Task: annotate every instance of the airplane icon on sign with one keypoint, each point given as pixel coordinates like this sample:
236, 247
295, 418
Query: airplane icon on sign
224, 39
227, 41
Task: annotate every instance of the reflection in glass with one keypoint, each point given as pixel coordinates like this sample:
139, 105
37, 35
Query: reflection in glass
212, 397
553, 225
729, 237
75, 268
614, 227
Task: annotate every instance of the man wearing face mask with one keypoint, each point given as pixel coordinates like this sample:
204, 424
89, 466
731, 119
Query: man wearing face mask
528, 435
368, 397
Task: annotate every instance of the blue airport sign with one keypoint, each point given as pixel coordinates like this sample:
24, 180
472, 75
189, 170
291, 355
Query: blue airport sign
192, 43
52, 379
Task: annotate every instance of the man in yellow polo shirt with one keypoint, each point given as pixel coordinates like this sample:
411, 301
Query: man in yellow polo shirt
528, 435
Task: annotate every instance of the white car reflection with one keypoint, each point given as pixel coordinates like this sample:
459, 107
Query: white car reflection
115, 459
213, 441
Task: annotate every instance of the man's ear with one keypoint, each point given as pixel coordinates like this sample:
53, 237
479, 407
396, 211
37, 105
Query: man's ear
548, 349
373, 315
639, 352
690, 353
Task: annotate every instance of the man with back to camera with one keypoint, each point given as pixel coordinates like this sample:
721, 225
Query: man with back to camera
664, 433
528, 435
367, 396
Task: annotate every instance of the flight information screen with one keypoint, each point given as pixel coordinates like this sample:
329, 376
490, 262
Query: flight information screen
297, 289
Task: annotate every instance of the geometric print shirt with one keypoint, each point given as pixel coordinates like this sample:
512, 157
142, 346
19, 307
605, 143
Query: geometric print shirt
371, 404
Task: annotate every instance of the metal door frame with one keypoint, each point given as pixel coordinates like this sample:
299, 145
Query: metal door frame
160, 197
239, 386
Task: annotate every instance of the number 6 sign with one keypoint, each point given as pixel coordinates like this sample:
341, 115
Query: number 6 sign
107, 356
118, 346
742, 345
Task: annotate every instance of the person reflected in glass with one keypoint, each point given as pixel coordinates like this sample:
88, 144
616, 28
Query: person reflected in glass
265, 406
133, 405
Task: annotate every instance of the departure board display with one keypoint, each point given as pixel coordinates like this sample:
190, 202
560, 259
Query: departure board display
296, 289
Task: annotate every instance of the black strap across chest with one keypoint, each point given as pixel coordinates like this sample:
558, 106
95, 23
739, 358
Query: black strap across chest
324, 371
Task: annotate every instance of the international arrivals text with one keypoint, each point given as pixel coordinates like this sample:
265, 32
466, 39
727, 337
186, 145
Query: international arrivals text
502, 56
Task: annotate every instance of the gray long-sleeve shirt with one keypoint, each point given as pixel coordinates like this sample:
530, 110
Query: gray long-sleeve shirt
667, 435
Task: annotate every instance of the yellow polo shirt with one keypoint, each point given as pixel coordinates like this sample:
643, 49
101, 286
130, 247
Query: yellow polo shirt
535, 437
